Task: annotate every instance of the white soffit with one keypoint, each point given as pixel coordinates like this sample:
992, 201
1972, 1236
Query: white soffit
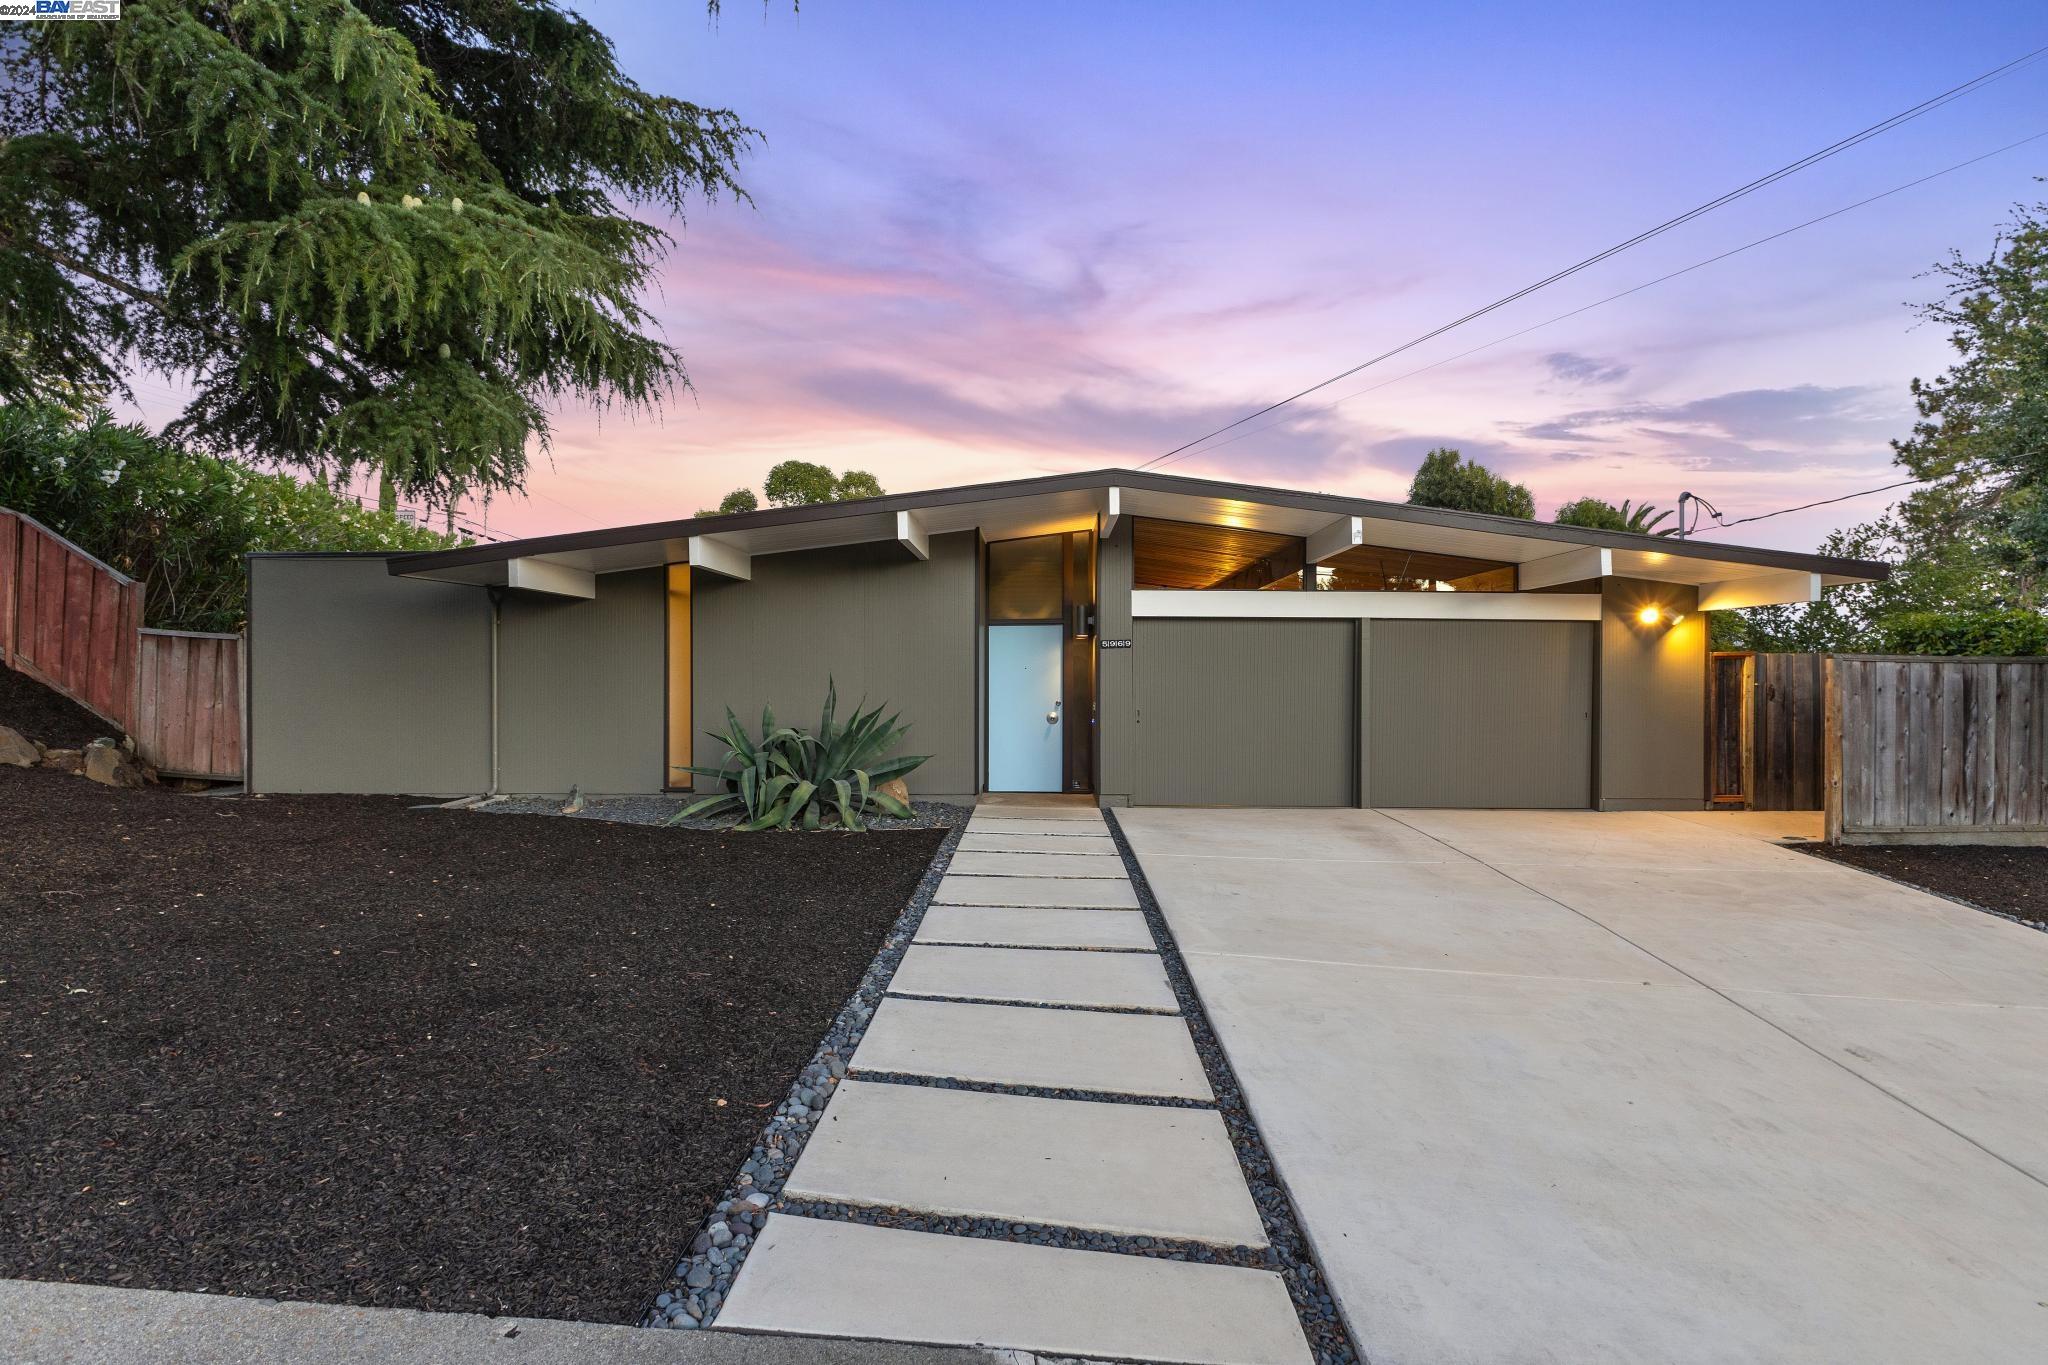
1426, 606
552, 579
715, 555
1760, 590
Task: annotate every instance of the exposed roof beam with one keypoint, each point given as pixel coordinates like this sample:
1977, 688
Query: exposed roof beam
556, 580
911, 535
717, 555
1345, 533
1762, 590
1112, 508
1573, 566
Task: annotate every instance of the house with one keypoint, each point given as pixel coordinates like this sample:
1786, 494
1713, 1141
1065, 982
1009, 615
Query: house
1144, 637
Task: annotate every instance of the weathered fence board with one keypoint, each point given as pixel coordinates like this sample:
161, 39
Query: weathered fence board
189, 703
1764, 713
70, 620
1936, 749
75, 624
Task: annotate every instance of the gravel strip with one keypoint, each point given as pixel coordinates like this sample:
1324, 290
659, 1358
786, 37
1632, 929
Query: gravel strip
705, 1269
1037, 1234
1290, 1252
1022, 1004
659, 810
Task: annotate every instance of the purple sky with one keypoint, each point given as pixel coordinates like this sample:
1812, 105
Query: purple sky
993, 239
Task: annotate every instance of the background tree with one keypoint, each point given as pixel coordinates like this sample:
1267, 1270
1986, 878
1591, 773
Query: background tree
1446, 479
799, 483
379, 234
1601, 515
179, 522
1971, 548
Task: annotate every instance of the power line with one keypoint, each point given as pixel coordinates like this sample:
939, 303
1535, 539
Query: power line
1813, 158
1805, 506
1634, 289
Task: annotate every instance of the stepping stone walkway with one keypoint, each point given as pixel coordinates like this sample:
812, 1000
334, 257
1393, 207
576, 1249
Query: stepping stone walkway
1033, 970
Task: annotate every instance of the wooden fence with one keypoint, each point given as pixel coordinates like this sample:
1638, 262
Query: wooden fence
69, 622
1923, 749
188, 703
1764, 731
75, 625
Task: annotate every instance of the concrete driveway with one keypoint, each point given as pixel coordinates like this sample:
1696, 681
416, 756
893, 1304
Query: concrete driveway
1580, 1087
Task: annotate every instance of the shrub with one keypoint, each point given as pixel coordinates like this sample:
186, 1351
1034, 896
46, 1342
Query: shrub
790, 778
179, 522
1997, 632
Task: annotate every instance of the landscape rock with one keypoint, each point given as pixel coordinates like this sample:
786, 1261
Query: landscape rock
110, 765
895, 787
64, 760
17, 750
574, 805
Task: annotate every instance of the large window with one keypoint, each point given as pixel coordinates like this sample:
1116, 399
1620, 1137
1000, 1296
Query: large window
1194, 555
1187, 554
1379, 568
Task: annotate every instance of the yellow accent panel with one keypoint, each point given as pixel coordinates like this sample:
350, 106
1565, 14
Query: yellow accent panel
678, 674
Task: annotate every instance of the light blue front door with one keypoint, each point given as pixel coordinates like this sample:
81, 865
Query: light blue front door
1024, 719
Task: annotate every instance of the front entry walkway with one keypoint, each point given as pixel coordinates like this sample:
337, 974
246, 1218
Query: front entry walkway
1571, 1087
1027, 1085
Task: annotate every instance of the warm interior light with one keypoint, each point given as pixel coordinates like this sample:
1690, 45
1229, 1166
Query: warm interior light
1649, 616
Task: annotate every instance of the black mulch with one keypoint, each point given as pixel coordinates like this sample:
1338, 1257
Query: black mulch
35, 711
2012, 880
332, 1048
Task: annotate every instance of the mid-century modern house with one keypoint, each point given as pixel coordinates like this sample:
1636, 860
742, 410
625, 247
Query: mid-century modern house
1143, 637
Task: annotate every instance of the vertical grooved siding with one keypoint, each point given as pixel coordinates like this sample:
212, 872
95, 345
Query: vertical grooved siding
580, 688
1481, 713
361, 682
1244, 713
884, 626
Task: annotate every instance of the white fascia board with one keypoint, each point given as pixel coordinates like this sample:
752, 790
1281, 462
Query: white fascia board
1349, 606
910, 534
1112, 508
555, 580
1761, 590
1343, 534
1573, 566
714, 554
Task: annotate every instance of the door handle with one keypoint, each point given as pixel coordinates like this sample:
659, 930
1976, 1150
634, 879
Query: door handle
1052, 717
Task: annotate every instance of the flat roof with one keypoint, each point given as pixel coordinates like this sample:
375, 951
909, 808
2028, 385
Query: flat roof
1066, 501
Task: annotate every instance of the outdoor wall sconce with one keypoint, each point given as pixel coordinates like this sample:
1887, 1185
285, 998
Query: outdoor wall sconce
1653, 617
1080, 620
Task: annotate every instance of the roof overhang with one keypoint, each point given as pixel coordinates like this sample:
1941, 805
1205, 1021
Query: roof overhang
1547, 555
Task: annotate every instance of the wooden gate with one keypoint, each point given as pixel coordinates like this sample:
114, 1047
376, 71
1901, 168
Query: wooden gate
188, 703
1764, 731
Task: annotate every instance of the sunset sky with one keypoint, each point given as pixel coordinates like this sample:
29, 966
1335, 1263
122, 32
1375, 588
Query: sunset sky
993, 239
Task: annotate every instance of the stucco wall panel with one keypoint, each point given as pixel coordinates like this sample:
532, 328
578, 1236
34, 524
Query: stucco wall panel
580, 700
361, 682
1653, 682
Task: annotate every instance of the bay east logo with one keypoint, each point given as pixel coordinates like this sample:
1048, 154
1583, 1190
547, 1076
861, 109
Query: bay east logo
57, 10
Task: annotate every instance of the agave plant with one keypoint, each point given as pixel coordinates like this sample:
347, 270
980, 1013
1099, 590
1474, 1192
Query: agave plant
788, 778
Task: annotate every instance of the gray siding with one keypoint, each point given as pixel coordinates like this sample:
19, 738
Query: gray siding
580, 699
1653, 699
1480, 713
1115, 736
885, 626
361, 682
1245, 713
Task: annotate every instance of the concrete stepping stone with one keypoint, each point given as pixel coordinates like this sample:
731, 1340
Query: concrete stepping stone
977, 864
1037, 976
1121, 1054
1133, 1169
1098, 893
1010, 811
1057, 927
822, 1278
1001, 841
1063, 829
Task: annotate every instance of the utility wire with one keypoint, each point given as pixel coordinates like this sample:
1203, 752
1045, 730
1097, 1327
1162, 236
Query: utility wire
1611, 298
1813, 158
1766, 516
